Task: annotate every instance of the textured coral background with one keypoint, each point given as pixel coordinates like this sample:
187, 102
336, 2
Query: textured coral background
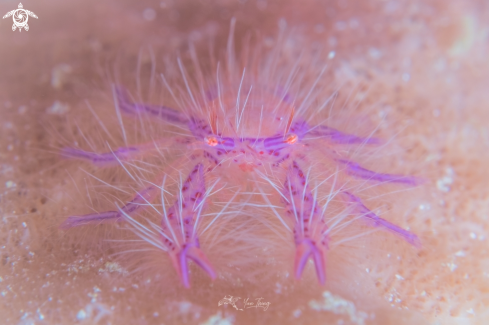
425, 64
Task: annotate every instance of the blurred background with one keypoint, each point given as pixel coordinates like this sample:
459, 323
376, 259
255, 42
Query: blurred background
427, 59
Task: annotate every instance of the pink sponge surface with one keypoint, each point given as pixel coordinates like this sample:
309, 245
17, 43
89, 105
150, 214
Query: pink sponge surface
413, 74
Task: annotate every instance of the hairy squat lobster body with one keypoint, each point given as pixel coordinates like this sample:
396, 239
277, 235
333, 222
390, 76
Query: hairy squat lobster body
257, 150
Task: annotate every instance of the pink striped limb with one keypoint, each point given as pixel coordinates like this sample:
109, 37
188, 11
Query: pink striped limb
338, 137
305, 250
163, 113
354, 169
194, 253
180, 224
140, 201
376, 221
115, 157
310, 229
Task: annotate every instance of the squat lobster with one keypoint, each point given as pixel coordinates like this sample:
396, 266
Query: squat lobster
281, 152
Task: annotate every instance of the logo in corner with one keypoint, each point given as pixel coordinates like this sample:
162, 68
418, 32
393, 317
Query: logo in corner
20, 17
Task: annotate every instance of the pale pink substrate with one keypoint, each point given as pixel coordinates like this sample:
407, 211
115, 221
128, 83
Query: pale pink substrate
419, 67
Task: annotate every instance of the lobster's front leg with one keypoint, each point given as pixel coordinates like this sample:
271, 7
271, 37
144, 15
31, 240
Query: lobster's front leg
140, 201
377, 221
180, 226
193, 252
309, 228
163, 113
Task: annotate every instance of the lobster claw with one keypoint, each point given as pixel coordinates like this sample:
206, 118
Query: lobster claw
195, 254
307, 248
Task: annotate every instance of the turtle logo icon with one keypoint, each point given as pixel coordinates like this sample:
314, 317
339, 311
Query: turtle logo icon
20, 17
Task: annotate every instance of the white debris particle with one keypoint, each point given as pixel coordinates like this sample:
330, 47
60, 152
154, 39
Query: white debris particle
467, 36
331, 55
374, 53
278, 288
297, 313
111, 267
460, 254
452, 266
443, 184
399, 277
10, 184
59, 75
82, 314
471, 311
339, 306
218, 319
282, 23
6, 169
93, 313
185, 307
58, 108
473, 235
149, 14
22, 109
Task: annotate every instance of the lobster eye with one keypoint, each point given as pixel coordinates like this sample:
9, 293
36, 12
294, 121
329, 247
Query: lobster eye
291, 138
211, 141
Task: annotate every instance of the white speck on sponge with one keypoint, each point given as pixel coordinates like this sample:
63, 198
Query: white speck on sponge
59, 75
58, 108
149, 14
339, 306
443, 184
82, 314
217, 319
10, 184
297, 313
